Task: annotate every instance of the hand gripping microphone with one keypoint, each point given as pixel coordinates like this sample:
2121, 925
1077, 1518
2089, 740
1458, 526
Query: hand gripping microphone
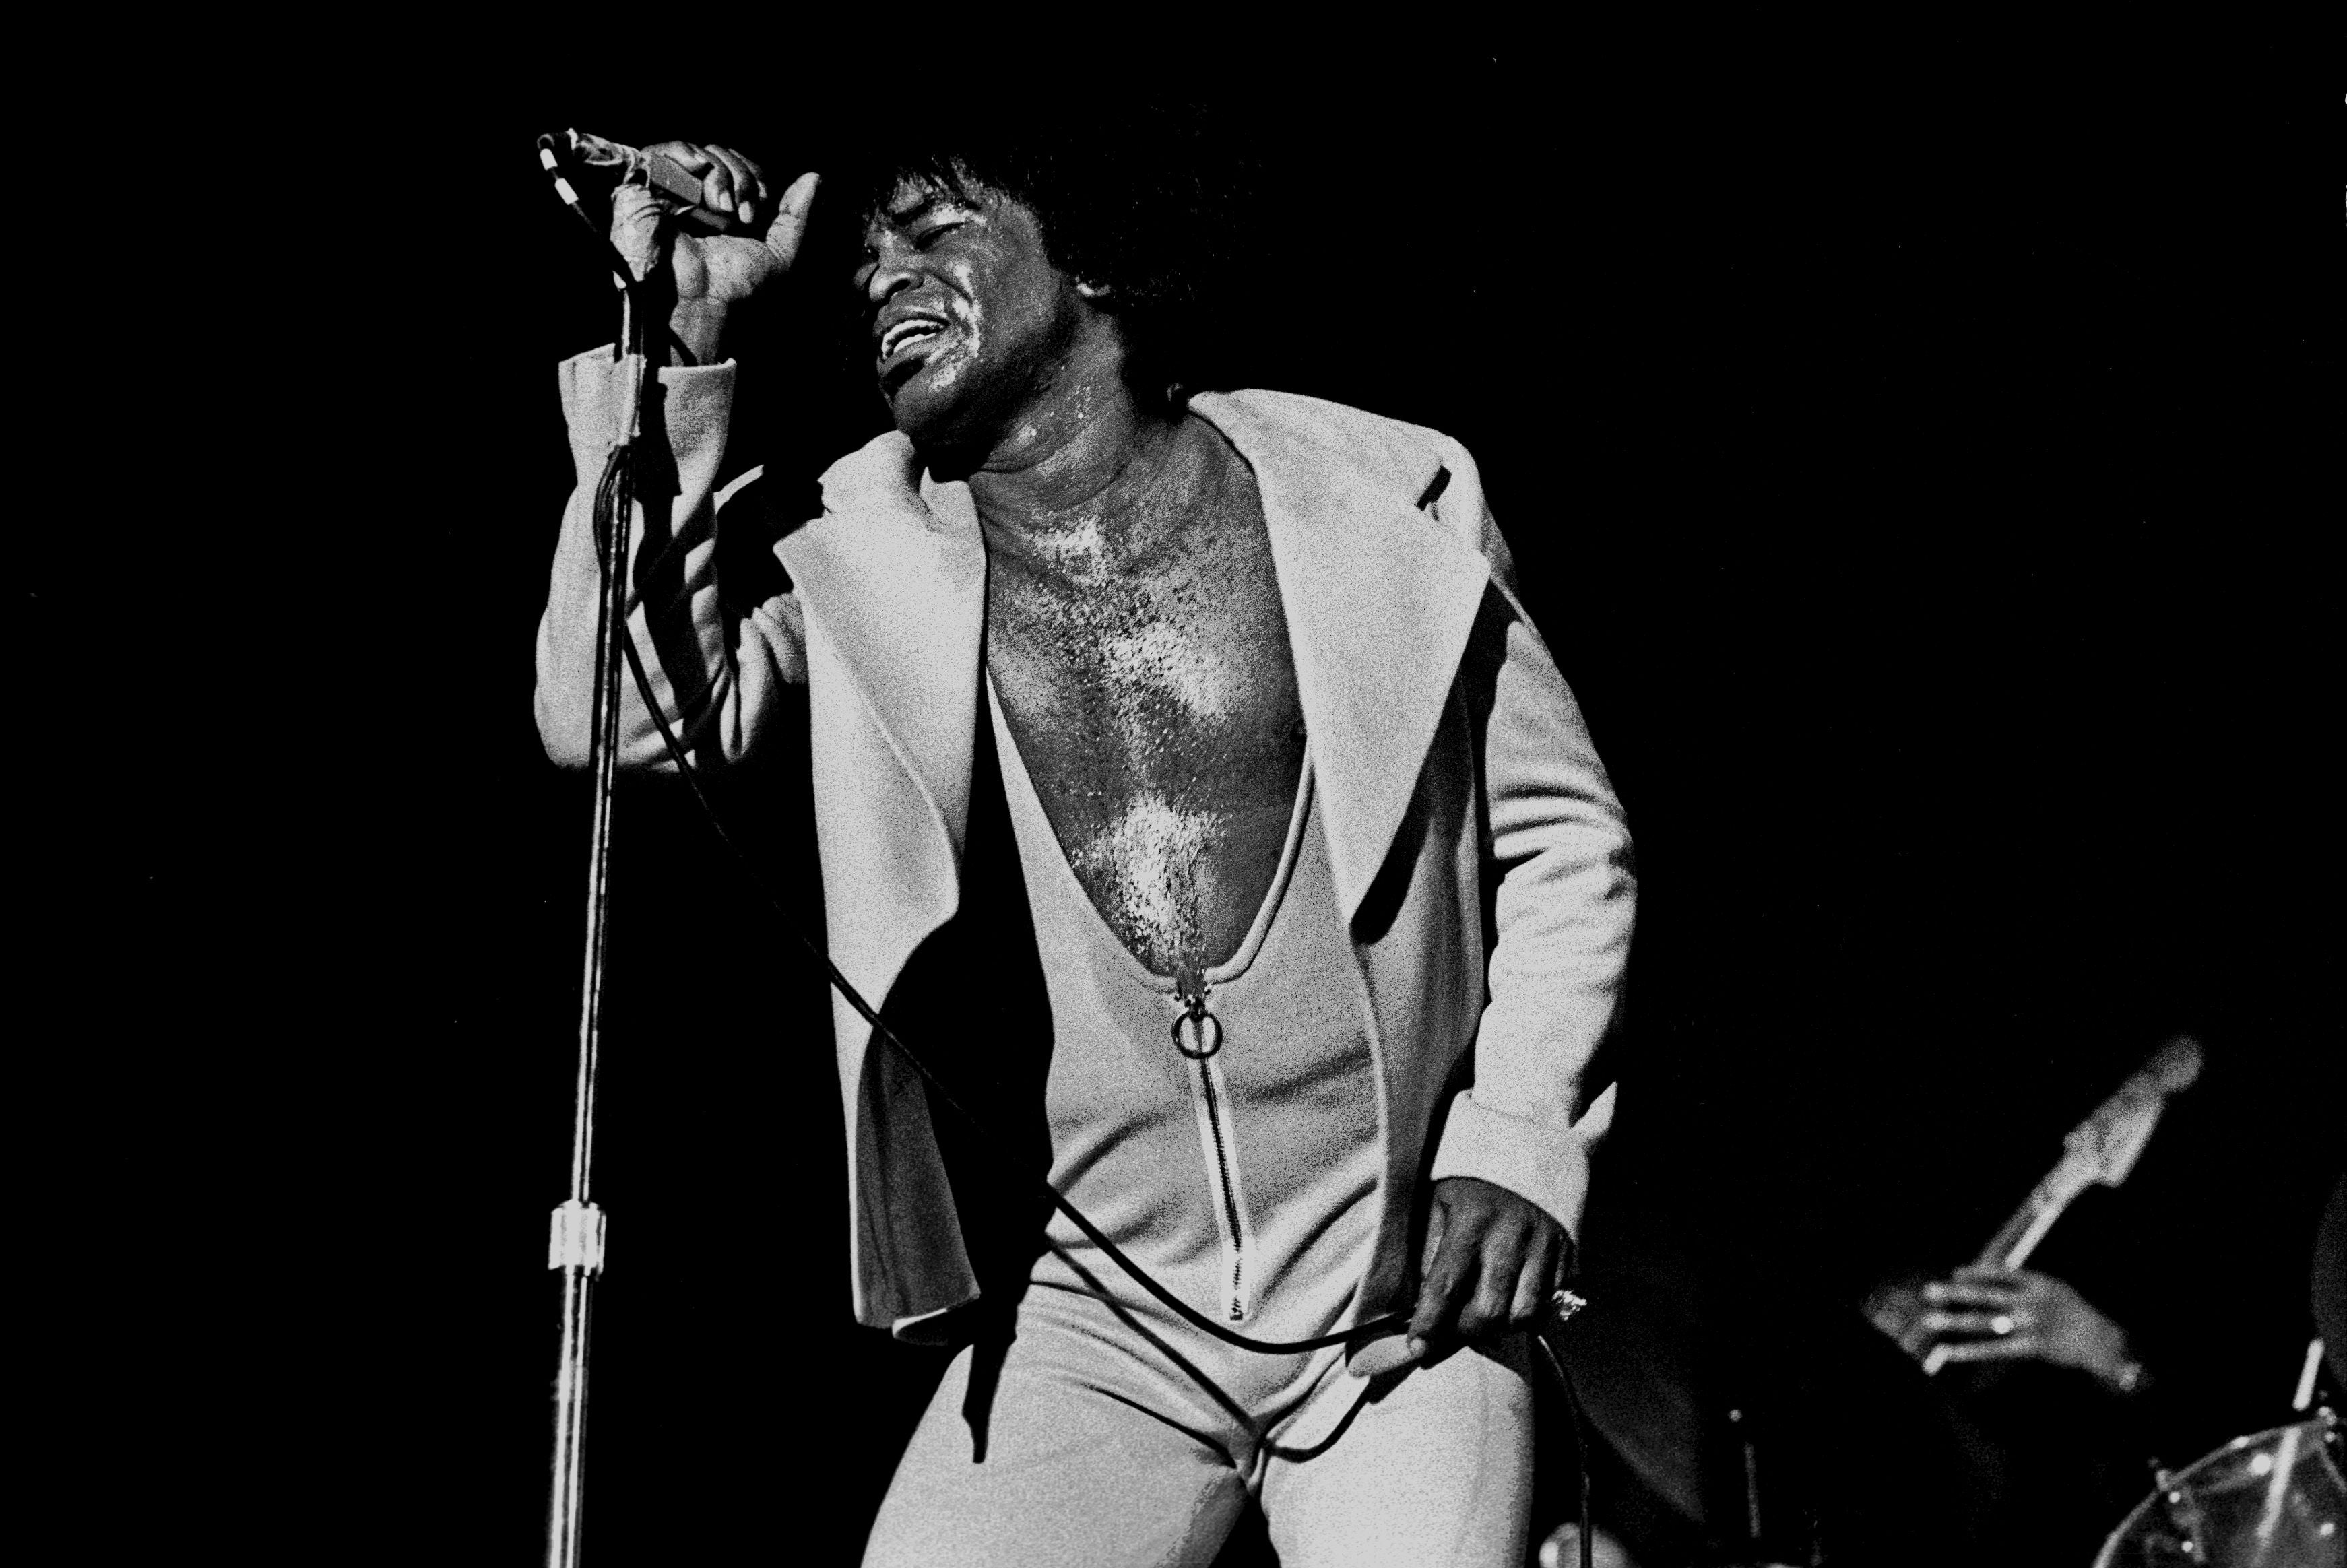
559, 153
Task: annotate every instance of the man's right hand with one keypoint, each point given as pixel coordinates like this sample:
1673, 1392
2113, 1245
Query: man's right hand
714, 276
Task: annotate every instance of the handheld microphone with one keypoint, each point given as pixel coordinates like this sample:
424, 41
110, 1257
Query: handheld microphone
561, 150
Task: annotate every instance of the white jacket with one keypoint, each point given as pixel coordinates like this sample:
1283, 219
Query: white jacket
1479, 852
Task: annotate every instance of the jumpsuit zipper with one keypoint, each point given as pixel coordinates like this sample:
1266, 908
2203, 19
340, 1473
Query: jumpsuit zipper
1191, 991
1230, 1199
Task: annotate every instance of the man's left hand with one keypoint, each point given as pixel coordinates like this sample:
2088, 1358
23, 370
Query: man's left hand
1493, 1262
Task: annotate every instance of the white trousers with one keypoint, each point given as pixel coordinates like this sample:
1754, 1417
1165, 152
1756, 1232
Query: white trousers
1112, 1444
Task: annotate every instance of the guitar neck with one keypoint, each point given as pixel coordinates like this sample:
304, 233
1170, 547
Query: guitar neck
2019, 1235
2103, 1148
2011, 1247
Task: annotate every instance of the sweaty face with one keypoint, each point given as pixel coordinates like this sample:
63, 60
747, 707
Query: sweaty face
968, 314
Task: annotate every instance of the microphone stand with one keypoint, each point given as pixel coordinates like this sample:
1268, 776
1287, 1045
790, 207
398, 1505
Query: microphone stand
576, 1245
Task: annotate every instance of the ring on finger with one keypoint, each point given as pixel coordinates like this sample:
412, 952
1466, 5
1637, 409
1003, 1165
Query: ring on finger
2001, 1324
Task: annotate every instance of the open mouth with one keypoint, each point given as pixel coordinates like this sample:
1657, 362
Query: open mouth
911, 331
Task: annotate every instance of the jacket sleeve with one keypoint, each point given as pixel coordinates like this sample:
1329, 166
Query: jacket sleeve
715, 663
1562, 911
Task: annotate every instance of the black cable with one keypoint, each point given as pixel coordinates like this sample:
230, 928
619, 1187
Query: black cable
605, 531
554, 158
1579, 1441
864, 1009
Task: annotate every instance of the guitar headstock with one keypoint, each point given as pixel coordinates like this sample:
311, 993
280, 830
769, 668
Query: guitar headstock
2107, 1145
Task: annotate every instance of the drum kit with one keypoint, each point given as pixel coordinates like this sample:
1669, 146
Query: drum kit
2272, 1499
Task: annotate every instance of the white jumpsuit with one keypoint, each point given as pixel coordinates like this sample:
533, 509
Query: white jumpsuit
1247, 1184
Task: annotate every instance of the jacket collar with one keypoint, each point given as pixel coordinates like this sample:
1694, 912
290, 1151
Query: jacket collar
894, 573
1380, 600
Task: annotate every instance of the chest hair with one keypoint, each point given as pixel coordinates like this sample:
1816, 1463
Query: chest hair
1153, 696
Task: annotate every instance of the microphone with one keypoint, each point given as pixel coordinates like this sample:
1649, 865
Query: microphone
561, 150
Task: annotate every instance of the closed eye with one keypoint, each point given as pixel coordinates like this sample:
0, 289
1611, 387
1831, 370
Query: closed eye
929, 236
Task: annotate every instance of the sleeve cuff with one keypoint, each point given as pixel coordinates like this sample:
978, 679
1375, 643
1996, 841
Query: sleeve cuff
696, 407
1545, 1163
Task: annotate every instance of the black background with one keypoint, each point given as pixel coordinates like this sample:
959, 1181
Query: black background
1917, 449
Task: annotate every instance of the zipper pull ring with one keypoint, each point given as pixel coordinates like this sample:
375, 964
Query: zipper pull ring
1190, 990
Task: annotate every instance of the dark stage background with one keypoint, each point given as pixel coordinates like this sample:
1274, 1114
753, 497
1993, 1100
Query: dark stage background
1917, 452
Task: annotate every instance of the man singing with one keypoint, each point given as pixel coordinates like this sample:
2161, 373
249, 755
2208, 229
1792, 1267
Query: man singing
1188, 780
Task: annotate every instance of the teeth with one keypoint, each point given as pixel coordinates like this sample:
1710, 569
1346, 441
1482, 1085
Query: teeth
905, 331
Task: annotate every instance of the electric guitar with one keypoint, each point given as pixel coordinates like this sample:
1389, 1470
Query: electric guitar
2099, 1151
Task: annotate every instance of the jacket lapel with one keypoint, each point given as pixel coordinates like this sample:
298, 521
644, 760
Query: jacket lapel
896, 572
893, 580
1379, 598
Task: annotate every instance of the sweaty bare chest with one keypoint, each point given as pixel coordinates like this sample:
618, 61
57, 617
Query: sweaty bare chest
1157, 713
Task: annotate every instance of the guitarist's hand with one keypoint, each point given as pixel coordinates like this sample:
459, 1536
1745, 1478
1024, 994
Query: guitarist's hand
2015, 1315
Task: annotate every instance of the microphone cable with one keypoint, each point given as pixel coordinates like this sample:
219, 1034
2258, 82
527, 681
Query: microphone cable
605, 495
605, 521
